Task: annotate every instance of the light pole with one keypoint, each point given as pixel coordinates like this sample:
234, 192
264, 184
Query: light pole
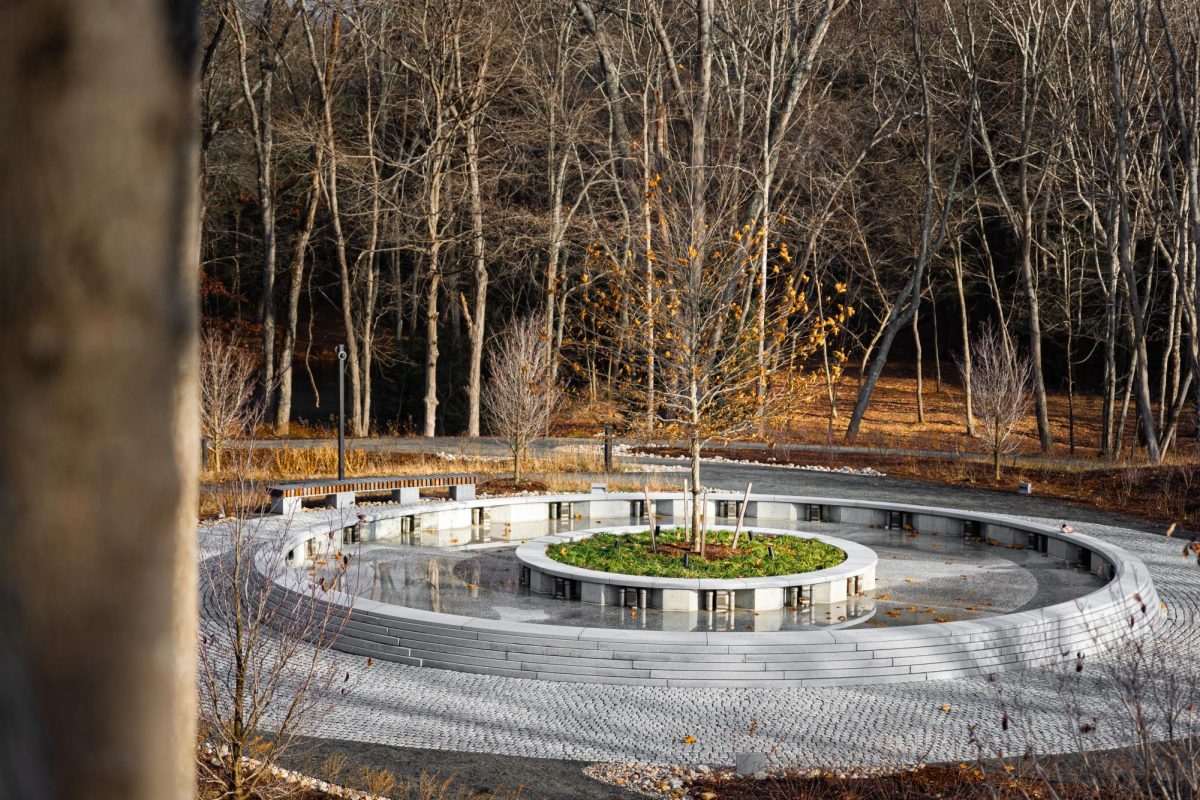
341, 355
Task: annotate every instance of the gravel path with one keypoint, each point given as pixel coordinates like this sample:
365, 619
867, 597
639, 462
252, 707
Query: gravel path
412, 707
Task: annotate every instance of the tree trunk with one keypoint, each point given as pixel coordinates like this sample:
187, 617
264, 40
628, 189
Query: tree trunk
1108, 447
966, 338
262, 131
433, 228
287, 352
1041, 405
1125, 249
476, 321
431, 344
916, 332
324, 81
694, 455
98, 257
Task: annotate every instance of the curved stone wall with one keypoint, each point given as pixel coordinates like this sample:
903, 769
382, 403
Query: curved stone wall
1125, 606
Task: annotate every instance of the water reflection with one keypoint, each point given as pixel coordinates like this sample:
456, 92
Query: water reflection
921, 578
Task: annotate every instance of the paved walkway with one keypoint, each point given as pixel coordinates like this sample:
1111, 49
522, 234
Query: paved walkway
490, 446
902, 723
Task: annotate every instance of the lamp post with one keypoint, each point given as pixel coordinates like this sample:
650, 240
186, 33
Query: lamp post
341, 355
608, 449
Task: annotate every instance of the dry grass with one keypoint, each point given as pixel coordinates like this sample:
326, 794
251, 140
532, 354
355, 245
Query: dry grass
294, 463
560, 471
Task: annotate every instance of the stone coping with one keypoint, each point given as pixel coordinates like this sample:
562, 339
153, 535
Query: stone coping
858, 560
1125, 606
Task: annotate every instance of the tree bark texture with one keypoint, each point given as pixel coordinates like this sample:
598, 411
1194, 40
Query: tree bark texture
98, 254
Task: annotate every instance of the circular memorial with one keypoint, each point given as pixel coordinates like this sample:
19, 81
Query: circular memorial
667, 576
1115, 598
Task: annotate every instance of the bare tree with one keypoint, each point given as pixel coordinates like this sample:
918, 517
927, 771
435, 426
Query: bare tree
521, 393
257, 84
705, 359
1001, 390
264, 666
227, 378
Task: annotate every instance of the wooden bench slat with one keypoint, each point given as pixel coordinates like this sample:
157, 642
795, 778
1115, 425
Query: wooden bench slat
319, 488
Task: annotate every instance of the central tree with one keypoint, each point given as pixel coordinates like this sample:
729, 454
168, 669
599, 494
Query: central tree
682, 339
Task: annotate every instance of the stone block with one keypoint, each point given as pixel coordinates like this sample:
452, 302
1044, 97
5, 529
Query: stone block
617, 511
747, 764
769, 599
598, 594
678, 600
761, 509
462, 491
669, 508
285, 505
861, 516
407, 497
936, 523
830, 592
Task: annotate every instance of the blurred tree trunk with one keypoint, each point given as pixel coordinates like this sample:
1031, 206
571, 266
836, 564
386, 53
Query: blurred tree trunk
287, 352
98, 256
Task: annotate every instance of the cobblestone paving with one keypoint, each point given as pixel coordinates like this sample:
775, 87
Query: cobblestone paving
886, 724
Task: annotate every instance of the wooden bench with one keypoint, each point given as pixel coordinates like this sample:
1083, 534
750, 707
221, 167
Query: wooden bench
287, 498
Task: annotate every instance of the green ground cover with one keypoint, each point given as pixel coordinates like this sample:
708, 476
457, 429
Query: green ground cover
631, 554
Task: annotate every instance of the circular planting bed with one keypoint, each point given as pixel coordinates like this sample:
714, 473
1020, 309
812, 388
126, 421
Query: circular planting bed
817, 569
670, 553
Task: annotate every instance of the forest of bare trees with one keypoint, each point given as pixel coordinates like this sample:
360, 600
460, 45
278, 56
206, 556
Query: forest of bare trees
849, 179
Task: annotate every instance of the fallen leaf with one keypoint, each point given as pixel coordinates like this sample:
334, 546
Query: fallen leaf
910, 580
689, 740
945, 709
